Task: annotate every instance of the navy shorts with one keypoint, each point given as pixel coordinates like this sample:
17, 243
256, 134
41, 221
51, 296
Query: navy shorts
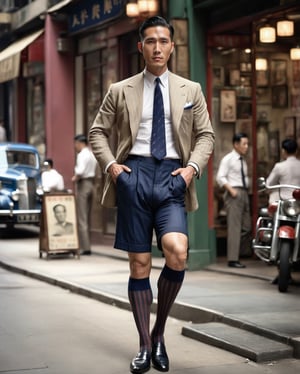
149, 198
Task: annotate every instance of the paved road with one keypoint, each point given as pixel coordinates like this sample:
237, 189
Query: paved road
244, 296
48, 330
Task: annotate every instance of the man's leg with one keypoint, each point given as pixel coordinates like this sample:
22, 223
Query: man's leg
83, 207
169, 283
140, 298
246, 234
234, 222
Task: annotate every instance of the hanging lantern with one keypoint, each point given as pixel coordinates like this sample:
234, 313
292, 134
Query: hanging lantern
295, 53
285, 28
261, 64
132, 10
267, 34
141, 8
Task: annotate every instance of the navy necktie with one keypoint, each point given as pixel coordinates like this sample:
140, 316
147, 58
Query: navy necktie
158, 137
243, 173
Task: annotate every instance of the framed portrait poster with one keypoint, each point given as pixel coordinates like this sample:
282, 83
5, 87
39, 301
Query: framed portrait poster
234, 77
289, 124
274, 149
218, 76
227, 105
278, 72
59, 224
262, 78
280, 96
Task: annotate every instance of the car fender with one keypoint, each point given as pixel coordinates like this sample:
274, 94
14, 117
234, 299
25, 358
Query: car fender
5, 201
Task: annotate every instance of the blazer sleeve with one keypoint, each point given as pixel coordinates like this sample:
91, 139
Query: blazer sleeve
204, 137
102, 128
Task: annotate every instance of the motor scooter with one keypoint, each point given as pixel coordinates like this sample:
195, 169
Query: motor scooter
277, 233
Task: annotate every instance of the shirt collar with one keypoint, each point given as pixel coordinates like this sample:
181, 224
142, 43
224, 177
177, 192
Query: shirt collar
236, 154
150, 78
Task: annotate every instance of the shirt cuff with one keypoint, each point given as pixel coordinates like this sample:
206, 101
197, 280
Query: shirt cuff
195, 166
108, 165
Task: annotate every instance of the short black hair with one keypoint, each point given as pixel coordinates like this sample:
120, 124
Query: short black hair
289, 145
155, 21
81, 138
238, 136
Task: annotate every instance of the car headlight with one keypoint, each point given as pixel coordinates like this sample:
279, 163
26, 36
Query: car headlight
15, 195
291, 207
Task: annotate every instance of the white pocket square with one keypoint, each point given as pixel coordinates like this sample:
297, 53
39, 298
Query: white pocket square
188, 105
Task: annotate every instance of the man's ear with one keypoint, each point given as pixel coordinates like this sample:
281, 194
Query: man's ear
173, 46
140, 47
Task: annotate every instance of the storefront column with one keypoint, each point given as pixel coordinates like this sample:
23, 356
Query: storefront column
59, 104
202, 239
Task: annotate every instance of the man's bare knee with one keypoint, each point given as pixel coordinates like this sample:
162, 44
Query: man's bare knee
140, 265
175, 250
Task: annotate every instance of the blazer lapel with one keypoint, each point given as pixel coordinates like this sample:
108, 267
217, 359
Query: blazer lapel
133, 93
177, 100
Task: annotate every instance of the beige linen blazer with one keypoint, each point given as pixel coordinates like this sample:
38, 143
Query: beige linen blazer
121, 112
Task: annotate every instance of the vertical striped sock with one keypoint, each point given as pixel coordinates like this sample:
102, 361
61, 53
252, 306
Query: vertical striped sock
169, 284
140, 297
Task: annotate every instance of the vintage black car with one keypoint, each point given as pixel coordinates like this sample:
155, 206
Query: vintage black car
20, 184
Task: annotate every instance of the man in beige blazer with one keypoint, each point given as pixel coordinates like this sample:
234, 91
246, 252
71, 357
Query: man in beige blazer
163, 139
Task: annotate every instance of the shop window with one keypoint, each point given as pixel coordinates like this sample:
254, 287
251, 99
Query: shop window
93, 68
232, 98
133, 61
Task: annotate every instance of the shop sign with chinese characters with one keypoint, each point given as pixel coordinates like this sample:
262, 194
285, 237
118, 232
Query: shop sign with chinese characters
92, 12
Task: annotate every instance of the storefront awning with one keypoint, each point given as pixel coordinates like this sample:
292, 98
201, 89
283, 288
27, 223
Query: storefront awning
59, 5
10, 57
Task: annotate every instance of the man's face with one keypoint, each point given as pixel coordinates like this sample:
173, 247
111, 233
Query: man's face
242, 146
156, 48
78, 146
60, 214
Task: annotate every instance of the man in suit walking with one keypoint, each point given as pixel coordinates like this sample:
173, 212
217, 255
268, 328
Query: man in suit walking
165, 138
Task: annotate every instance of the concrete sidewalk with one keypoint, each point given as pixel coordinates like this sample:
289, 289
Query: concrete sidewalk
242, 299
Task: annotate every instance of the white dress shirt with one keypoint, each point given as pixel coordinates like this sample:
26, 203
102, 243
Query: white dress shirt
284, 172
142, 144
52, 180
230, 170
85, 164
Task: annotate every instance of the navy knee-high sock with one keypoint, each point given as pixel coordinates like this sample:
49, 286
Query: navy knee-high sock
140, 297
169, 284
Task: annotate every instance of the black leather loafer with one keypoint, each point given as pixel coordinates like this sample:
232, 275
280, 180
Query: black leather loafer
160, 360
236, 264
141, 362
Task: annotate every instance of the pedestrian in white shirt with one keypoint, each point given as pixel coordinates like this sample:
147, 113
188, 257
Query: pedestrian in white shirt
52, 180
286, 171
233, 177
84, 177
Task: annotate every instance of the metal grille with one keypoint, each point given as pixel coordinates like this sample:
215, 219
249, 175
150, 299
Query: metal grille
31, 183
23, 197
